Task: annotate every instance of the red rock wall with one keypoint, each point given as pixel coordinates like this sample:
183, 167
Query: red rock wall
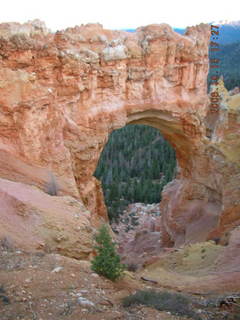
62, 94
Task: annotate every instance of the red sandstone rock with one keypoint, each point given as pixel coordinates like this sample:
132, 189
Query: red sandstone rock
62, 94
32, 219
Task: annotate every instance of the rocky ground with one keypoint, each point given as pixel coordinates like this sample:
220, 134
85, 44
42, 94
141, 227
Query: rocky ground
45, 286
50, 286
138, 233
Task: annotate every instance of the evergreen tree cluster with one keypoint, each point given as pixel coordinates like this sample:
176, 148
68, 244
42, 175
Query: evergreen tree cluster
229, 66
134, 166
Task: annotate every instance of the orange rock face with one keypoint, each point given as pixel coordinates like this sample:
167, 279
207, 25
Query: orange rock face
62, 94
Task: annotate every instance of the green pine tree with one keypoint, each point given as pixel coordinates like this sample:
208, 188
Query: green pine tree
107, 262
133, 157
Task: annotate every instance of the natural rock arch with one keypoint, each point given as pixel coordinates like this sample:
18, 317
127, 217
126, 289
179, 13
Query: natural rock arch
62, 94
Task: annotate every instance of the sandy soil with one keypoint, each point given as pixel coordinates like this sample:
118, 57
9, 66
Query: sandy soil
45, 286
39, 286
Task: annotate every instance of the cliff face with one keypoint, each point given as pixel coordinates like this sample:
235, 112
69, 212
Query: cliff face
62, 94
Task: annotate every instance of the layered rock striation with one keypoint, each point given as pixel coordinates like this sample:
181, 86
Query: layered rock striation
63, 93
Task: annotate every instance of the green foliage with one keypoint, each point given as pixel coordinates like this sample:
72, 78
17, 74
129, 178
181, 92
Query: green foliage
176, 303
228, 55
107, 262
134, 166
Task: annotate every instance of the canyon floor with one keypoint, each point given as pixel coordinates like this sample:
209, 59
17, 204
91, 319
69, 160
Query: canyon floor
46, 286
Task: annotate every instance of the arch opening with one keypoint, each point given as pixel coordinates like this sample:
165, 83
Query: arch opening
135, 165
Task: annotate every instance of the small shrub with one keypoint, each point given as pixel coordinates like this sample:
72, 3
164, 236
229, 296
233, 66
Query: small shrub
6, 244
132, 267
107, 262
52, 187
175, 303
134, 221
3, 297
128, 228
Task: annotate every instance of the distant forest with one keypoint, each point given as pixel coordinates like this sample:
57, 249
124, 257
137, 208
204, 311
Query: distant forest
229, 56
134, 167
137, 162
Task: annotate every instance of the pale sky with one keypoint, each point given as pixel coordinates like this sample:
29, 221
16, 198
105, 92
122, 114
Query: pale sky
58, 14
